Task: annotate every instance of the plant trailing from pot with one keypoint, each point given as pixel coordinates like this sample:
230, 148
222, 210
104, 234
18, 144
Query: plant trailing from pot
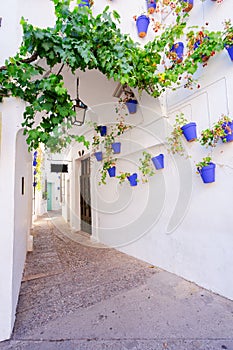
203, 44
87, 3
222, 129
123, 176
37, 173
129, 100
176, 53
181, 127
206, 168
228, 37
145, 166
109, 167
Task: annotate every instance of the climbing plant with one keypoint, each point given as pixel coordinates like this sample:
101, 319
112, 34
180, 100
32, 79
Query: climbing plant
83, 41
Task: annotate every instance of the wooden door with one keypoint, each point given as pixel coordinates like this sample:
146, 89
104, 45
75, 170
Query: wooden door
85, 196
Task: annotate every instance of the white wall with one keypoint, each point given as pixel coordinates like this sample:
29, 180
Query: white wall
175, 221
15, 218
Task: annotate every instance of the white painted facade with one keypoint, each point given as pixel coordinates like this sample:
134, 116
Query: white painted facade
15, 165
174, 221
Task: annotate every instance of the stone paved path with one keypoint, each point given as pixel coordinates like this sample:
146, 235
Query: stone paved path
81, 295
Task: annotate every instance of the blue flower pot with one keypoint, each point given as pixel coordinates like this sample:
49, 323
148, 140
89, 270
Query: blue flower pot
151, 6
190, 131
34, 184
116, 147
229, 135
178, 48
197, 44
189, 5
158, 161
133, 179
230, 51
142, 24
112, 171
103, 130
34, 163
208, 173
99, 156
84, 3
132, 106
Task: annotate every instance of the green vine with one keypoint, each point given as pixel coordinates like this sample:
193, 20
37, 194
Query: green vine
82, 41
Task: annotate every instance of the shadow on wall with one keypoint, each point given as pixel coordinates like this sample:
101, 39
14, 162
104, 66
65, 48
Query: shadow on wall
22, 211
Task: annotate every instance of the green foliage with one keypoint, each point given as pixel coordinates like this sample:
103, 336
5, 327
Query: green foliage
211, 136
123, 176
205, 161
228, 33
175, 140
146, 166
108, 163
83, 41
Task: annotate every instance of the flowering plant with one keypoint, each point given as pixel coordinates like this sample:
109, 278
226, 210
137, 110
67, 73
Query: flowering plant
210, 136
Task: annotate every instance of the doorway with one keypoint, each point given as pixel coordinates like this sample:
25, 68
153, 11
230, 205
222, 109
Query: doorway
85, 196
49, 196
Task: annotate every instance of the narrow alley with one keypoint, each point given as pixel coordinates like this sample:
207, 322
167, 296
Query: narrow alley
76, 294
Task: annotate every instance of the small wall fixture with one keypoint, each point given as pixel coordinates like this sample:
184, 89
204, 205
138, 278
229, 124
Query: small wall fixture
80, 109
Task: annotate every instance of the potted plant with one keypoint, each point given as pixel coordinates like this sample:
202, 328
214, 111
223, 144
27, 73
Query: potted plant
176, 53
87, 3
228, 38
142, 23
146, 166
181, 127
188, 5
151, 6
207, 170
123, 177
133, 179
116, 147
109, 167
95, 144
222, 129
203, 44
158, 161
129, 100
102, 130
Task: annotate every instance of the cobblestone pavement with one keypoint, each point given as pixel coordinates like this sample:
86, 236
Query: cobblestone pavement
80, 295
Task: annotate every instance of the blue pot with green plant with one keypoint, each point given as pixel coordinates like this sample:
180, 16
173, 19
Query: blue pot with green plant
112, 171
84, 3
116, 147
99, 156
190, 131
158, 161
188, 5
151, 6
207, 170
133, 179
103, 130
228, 131
178, 49
132, 106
